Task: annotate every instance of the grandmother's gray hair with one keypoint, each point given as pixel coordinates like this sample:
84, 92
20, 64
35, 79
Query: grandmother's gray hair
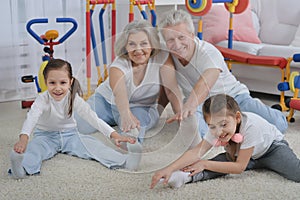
175, 17
135, 27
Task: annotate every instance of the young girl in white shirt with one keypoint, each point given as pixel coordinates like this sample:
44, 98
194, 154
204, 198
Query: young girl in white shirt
250, 143
55, 131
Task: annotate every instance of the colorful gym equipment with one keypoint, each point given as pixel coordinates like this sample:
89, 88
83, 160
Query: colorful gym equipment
90, 36
200, 7
139, 3
281, 63
47, 40
292, 84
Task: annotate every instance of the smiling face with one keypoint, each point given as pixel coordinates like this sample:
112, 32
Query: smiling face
180, 41
58, 83
222, 124
139, 48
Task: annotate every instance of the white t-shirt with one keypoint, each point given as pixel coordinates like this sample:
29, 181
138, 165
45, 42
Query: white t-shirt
206, 56
257, 133
50, 115
146, 93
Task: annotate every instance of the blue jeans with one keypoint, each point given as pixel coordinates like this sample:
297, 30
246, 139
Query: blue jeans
147, 115
249, 104
46, 144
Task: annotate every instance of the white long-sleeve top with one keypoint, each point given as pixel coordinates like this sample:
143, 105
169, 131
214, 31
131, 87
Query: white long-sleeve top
50, 115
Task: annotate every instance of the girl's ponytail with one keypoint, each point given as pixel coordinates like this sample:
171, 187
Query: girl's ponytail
75, 88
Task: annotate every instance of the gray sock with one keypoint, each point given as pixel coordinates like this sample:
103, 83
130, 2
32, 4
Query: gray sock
17, 169
134, 155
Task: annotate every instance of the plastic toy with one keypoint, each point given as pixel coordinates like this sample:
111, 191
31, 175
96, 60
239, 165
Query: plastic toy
47, 40
293, 84
283, 64
139, 3
201, 7
90, 37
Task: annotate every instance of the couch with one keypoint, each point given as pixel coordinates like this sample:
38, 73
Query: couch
266, 28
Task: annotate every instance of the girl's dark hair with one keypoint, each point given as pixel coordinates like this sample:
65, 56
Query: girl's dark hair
59, 64
216, 103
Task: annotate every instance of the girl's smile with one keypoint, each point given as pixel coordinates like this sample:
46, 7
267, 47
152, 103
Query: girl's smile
223, 126
58, 84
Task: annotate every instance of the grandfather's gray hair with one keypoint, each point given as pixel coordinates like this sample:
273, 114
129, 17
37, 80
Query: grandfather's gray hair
175, 17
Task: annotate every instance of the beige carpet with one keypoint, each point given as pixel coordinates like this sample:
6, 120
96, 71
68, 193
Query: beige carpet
66, 177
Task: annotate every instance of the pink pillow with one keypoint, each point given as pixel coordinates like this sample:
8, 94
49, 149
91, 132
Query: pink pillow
216, 24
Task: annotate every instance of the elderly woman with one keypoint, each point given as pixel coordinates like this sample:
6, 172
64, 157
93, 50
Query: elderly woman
128, 98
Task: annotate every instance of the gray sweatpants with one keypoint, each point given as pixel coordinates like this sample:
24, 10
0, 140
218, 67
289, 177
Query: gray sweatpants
279, 158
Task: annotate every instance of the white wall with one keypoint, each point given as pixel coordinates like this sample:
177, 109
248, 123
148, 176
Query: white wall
20, 54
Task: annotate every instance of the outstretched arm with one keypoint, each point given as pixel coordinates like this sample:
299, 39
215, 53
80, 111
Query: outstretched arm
200, 91
236, 167
84, 110
172, 91
118, 85
21, 145
37, 108
188, 158
121, 138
